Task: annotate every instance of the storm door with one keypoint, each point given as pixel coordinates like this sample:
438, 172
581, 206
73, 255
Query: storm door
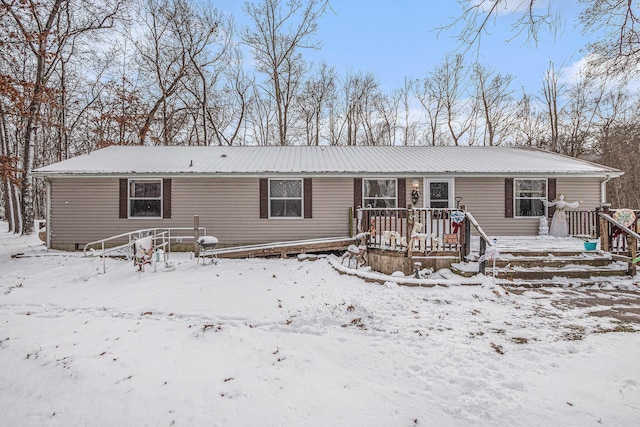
439, 194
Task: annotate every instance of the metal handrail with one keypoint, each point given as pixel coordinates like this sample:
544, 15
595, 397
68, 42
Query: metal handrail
141, 232
163, 233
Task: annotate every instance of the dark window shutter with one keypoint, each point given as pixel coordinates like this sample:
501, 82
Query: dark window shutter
508, 198
551, 194
308, 196
264, 198
123, 198
402, 192
357, 195
166, 198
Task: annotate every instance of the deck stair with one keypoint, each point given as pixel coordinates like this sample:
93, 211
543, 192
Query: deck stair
540, 268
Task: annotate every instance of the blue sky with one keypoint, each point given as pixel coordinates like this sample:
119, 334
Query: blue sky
395, 39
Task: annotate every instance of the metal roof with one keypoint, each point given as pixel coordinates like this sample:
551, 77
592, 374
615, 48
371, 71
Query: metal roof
316, 160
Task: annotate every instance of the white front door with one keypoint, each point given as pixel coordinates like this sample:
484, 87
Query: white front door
439, 193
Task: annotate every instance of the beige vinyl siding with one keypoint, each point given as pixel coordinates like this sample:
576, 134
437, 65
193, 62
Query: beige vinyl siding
82, 210
86, 209
586, 189
484, 198
230, 209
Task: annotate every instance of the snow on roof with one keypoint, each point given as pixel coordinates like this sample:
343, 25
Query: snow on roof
337, 160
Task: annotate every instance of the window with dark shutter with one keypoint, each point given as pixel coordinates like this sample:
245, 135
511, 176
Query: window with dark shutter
402, 192
357, 195
551, 188
264, 198
308, 198
124, 198
508, 198
166, 198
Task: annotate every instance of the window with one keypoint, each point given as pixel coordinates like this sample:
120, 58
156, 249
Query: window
527, 195
145, 198
285, 198
379, 193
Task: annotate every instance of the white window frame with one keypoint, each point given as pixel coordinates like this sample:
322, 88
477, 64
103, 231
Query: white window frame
426, 191
301, 198
364, 196
131, 198
515, 198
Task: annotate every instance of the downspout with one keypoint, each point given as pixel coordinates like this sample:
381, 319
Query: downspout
47, 215
603, 190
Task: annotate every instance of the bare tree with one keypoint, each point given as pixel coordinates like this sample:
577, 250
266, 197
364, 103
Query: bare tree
458, 106
40, 32
616, 24
174, 45
427, 92
410, 125
280, 31
319, 91
528, 123
581, 110
477, 16
354, 125
228, 115
386, 109
551, 95
495, 102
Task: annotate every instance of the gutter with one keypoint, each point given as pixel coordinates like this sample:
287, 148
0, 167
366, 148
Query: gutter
603, 190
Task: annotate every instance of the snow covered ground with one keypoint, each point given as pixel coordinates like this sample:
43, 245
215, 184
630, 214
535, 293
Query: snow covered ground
272, 342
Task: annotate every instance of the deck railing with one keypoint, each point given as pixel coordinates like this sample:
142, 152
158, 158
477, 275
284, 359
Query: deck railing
620, 239
616, 237
393, 227
583, 223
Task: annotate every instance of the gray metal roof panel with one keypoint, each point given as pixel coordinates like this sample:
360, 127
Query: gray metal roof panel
375, 160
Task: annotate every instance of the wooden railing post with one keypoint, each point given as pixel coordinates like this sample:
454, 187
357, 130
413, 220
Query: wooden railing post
604, 230
483, 264
467, 237
633, 253
351, 233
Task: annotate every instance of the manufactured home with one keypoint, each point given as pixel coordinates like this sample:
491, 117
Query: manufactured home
250, 195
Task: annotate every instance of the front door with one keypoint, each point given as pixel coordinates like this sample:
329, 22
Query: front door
439, 194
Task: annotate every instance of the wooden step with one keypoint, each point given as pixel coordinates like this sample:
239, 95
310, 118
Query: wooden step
564, 282
535, 273
557, 253
553, 261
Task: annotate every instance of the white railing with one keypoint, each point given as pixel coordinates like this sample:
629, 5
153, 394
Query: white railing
162, 238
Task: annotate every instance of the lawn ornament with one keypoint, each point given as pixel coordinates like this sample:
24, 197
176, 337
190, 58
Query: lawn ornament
559, 222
